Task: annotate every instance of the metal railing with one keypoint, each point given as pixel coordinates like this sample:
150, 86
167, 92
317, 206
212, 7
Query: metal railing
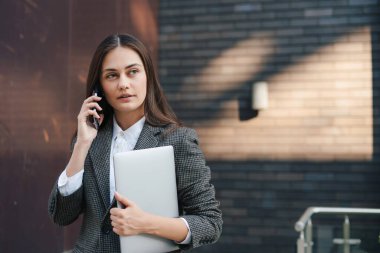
304, 226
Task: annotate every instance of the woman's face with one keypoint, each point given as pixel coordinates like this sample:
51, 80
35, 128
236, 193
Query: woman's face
124, 81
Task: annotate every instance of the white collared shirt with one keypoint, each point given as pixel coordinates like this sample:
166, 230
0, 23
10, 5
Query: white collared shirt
122, 141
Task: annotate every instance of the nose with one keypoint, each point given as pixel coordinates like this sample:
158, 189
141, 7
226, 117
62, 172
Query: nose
124, 82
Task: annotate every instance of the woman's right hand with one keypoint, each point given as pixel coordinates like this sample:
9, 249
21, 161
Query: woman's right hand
86, 131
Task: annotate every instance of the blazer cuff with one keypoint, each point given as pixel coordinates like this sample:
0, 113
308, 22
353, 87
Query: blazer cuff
68, 185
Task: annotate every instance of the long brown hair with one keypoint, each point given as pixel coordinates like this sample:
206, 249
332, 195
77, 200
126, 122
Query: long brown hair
157, 109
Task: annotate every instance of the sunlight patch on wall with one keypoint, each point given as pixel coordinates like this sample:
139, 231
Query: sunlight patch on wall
320, 105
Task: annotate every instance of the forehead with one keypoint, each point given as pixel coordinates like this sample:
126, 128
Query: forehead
120, 57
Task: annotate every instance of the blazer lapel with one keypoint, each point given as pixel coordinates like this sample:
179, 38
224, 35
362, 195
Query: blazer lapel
100, 156
148, 137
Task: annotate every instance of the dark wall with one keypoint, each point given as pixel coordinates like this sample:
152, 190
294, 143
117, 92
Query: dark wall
317, 144
45, 50
34, 126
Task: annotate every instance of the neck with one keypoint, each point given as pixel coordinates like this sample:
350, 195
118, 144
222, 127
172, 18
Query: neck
126, 120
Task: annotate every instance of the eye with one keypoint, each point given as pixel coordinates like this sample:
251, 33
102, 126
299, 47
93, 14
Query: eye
133, 72
111, 76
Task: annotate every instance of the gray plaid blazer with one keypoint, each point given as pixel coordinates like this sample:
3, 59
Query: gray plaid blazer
196, 196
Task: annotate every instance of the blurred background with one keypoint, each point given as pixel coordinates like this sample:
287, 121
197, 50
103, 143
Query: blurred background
316, 143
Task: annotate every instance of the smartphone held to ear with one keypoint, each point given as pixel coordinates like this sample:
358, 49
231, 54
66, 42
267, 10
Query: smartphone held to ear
94, 121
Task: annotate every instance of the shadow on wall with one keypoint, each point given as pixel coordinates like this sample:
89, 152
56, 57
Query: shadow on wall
314, 64
262, 200
317, 144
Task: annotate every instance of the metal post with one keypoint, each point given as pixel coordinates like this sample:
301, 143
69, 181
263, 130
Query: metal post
346, 235
309, 237
301, 243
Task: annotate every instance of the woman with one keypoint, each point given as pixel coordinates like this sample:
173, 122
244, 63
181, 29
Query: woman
133, 111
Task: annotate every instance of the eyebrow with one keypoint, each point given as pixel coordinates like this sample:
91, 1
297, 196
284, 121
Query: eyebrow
127, 67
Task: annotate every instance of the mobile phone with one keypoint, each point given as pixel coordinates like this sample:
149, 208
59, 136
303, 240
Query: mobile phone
94, 121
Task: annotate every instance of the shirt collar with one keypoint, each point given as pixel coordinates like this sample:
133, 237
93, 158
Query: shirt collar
132, 132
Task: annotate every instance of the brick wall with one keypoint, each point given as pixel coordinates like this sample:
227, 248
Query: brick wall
319, 136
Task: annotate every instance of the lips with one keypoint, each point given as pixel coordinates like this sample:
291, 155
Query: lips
125, 96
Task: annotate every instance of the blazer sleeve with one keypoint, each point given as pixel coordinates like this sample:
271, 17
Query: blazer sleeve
64, 210
195, 192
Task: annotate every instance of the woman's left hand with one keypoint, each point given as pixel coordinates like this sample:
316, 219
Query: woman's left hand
130, 220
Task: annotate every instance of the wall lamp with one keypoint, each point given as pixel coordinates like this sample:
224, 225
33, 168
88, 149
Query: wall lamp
259, 96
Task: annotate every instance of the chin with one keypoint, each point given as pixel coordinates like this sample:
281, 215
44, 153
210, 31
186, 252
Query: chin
130, 109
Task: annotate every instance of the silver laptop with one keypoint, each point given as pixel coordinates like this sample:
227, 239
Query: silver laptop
148, 178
